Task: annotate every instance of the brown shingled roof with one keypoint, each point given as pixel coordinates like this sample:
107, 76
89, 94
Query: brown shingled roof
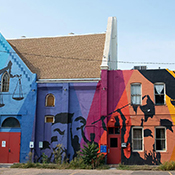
62, 57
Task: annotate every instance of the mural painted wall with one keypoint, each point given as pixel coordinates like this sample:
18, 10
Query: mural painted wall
128, 114
153, 117
71, 110
17, 103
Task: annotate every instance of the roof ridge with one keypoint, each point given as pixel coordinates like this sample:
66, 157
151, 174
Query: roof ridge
59, 36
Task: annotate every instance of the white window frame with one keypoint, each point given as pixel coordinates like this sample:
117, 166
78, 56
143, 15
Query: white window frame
137, 127
161, 127
160, 83
132, 84
49, 116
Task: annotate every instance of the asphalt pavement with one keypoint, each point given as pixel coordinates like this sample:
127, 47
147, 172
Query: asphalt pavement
112, 171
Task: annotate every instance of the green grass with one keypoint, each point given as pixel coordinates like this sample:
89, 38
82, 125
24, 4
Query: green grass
167, 166
78, 163
55, 166
138, 167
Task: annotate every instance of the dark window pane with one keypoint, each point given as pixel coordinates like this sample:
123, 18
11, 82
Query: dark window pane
137, 145
160, 144
11, 123
5, 82
160, 133
110, 130
117, 130
137, 133
159, 99
113, 142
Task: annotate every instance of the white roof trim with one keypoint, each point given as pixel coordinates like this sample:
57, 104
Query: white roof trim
68, 80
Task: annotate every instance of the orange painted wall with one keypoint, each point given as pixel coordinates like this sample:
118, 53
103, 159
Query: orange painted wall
137, 117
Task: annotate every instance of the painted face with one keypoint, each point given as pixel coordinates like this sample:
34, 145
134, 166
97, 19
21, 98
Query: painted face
66, 133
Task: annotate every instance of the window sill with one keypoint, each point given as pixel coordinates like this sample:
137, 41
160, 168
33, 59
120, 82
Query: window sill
160, 151
137, 151
160, 104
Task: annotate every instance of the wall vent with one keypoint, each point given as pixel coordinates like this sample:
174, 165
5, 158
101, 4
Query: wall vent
140, 67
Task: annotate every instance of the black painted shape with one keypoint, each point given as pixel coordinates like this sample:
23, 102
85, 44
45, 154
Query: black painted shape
92, 137
123, 129
54, 139
135, 108
9, 66
152, 158
63, 118
75, 143
149, 108
161, 75
147, 133
59, 131
172, 102
102, 118
46, 144
103, 123
82, 120
167, 123
117, 123
141, 122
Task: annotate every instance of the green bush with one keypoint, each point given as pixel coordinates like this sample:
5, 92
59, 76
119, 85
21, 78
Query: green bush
58, 154
91, 156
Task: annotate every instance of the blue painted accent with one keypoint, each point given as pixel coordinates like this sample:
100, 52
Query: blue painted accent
103, 149
22, 109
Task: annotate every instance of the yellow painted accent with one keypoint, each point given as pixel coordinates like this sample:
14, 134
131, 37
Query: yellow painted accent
171, 72
169, 173
173, 155
171, 108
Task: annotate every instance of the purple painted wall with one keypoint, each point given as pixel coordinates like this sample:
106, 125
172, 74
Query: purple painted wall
76, 107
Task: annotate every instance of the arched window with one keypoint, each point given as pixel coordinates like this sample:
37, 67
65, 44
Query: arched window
11, 122
5, 82
50, 100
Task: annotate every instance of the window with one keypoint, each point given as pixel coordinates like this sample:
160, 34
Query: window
160, 137
50, 100
137, 139
136, 94
114, 130
5, 82
11, 122
49, 119
114, 142
159, 92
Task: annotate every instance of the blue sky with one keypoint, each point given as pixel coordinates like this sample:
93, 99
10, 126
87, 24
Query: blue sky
146, 28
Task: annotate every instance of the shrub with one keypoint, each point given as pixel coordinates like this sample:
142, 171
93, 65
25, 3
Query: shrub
44, 158
91, 156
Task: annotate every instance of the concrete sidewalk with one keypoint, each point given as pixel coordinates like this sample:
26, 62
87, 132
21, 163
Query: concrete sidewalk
5, 165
